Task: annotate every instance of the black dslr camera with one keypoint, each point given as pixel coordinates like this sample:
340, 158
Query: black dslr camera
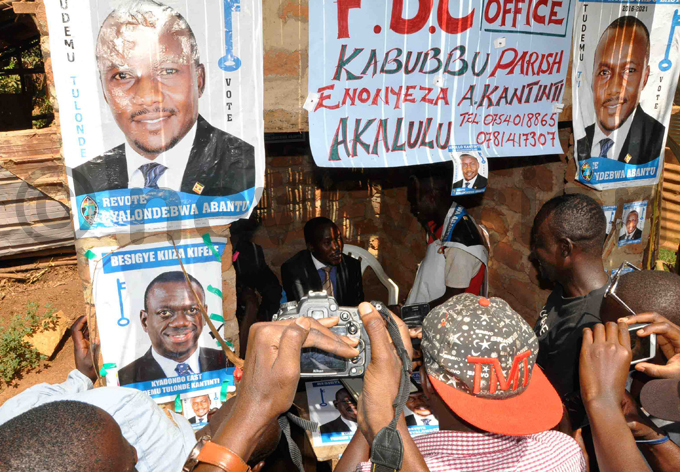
317, 363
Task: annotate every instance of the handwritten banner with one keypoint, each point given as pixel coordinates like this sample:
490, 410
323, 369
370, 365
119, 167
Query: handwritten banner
396, 83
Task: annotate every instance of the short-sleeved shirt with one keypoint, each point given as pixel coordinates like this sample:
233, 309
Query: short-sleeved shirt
560, 333
163, 439
461, 267
456, 451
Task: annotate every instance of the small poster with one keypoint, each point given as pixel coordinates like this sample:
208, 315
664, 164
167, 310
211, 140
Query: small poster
197, 407
153, 335
332, 406
609, 214
160, 103
633, 222
625, 73
470, 170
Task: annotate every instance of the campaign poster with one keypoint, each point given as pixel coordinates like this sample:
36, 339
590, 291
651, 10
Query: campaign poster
334, 408
625, 73
395, 83
470, 170
198, 407
633, 222
153, 335
160, 105
609, 214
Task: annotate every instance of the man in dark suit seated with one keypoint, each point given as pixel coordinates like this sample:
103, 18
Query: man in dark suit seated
471, 178
632, 231
323, 266
347, 421
622, 131
172, 319
152, 78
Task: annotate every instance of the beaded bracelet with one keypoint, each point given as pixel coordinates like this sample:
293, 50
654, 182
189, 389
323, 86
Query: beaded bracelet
653, 442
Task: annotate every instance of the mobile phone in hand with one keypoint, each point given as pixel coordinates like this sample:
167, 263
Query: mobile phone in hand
413, 316
644, 348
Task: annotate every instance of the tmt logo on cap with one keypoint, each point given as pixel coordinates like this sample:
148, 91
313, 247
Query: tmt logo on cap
480, 357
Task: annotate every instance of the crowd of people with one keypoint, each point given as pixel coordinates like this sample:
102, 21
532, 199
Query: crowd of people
561, 396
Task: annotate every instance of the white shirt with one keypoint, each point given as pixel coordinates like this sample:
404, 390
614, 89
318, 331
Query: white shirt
163, 439
469, 183
174, 159
169, 366
317, 264
618, 136
350, 424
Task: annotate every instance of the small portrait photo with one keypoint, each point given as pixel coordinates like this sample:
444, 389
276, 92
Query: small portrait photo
419, 418
198, 407
633, 223
470, 172
334, 408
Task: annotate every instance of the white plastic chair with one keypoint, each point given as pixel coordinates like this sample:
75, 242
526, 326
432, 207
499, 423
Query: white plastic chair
368, 259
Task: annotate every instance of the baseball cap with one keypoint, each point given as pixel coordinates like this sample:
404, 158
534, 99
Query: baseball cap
480, 357
661, 398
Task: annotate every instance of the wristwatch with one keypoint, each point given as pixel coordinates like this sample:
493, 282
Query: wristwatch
210, 453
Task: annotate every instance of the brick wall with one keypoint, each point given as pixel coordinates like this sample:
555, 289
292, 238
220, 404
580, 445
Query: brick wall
371, 208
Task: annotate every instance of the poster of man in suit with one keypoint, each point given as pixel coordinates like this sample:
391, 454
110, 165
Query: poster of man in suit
470, 170
154, 335
633, 222
162, 106
624, 79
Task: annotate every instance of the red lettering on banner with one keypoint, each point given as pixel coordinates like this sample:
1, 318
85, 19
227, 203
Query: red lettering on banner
534, 12
401, 25
343, 16
450, 24
497, 379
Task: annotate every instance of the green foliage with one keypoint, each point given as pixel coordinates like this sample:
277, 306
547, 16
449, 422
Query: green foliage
16, 355
668, 256
36, 84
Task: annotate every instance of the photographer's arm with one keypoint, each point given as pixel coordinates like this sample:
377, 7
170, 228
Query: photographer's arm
603, 368
381, 385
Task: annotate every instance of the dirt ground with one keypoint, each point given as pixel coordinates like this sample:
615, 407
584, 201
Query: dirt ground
60, 287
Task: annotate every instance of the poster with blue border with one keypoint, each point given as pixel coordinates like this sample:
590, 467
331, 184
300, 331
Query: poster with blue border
395, 83
153, 336
470, 170
624, 77
634, 215
160, 103
332, 406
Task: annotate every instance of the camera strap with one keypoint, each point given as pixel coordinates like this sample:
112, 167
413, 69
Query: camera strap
387, 450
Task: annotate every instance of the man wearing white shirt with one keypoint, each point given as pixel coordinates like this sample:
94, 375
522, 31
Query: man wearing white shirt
152, 79
172, 319
201, 406
622, 130
347, 421
632, 232
471, 178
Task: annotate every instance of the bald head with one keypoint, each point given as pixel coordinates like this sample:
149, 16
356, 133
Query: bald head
645, 291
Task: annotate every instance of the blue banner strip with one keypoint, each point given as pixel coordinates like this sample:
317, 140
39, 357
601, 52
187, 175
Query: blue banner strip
123, 261
184, 384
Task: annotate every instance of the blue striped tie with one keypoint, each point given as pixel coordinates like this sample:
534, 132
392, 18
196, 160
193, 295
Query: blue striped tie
605, 145
183, 368
152, 172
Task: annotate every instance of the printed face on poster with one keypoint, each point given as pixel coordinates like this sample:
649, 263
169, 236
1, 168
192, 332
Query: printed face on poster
153, 336
332, 406
633, 222
161, 111
396, 83
624, 78
470, 170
